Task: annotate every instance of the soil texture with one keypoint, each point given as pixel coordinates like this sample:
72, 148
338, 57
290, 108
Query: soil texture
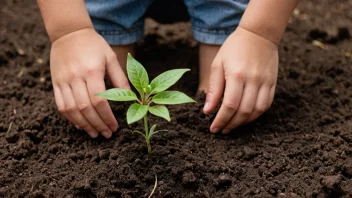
302, 147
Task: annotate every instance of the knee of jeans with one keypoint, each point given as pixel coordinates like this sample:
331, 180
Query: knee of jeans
115, 15
216, 14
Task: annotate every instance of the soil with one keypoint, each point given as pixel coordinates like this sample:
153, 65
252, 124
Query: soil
302, 147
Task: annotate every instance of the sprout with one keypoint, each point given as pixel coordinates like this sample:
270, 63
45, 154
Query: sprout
150, 93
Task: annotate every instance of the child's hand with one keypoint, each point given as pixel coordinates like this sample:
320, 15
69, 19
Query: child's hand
79, 61
246, 67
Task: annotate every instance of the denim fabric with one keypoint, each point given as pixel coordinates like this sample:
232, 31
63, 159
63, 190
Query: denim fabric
121, 22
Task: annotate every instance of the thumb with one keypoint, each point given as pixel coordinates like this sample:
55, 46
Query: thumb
216, 87
116, 74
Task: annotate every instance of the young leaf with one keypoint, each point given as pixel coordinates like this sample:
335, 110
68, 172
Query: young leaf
139, 133
136, 112
152, 128
154, 132
118, 94
160, 111
166, 80
171, 97
137, 74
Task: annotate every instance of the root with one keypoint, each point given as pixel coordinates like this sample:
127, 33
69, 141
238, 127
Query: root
156, 182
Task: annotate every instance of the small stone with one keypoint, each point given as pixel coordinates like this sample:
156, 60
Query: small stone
249, 153
281, 195
40, 61
330, 182
20, 52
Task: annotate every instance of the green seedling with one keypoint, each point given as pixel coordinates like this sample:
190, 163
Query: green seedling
155, 92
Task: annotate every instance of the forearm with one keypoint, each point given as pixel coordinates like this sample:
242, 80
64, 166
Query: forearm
62, 17
268, 18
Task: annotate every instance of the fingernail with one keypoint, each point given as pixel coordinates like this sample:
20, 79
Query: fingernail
215, 130
93, 134
206, 106
226, 131
106, 134
77, 127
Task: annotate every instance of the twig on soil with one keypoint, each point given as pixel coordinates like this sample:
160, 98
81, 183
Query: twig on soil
9, 127
156, 182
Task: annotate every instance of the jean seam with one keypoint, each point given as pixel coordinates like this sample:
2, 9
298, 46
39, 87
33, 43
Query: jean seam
120, 32
215, 31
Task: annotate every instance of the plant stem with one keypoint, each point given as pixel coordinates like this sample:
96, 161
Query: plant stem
145, 98
146, 128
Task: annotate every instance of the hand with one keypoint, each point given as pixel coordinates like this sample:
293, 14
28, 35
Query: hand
78, 64
246, 66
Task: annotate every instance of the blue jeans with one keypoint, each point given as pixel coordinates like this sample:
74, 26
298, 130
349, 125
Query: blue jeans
121, 22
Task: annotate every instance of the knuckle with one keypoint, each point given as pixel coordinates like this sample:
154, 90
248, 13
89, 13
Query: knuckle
124, 82
70, 109
255, 77
83, 107
261, 109
239, 75
216, 64
96, 102
101, 127
111, 57
271, 81
246, 112
91, 71
230, 105
72, 76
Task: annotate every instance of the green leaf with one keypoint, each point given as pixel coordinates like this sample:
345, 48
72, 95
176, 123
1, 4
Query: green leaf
139, 133
166, 80
118, 94
136, 112
137, 74
171, 97
152, 128
160, 111
153, 132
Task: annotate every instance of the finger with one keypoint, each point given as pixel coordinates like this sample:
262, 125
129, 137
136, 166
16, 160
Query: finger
216, 87
61, 104
230, 104
116, 74
72, 109
95, 84
245, 109
85, 106
271, 95
262, 103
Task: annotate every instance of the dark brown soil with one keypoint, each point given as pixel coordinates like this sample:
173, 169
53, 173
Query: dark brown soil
300, 148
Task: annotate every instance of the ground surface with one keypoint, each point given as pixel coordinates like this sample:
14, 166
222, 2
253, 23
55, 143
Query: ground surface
300, 148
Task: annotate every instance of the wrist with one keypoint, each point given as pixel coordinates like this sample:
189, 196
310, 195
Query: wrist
55, 35
257, 37
272, 35
84, 33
